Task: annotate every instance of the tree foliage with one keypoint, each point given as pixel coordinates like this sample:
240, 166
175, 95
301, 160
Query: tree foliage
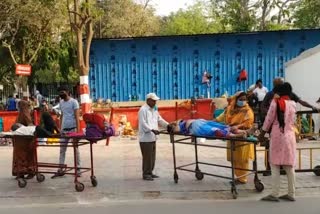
56, 62
125, 18
26, 27
307, 14
193, 20
235, 15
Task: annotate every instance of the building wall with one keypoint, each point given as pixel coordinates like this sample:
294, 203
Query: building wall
173, 66
304, 75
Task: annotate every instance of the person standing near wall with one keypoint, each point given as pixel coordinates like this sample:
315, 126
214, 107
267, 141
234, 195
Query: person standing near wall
11, 103
69, 123
260, 91
149, 119
17, 102
265, 107
281, 117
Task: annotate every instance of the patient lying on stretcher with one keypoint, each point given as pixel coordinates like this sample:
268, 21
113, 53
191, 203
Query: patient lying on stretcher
19, 129
209, 128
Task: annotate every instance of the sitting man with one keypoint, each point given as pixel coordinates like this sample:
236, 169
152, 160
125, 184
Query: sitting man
201, 127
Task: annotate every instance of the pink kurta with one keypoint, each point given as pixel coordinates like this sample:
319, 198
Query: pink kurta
282, 145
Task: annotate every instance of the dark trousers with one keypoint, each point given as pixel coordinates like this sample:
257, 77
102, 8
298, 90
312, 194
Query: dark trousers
148, 151
267, 163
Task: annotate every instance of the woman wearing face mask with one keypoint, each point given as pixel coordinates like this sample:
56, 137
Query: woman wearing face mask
239, 115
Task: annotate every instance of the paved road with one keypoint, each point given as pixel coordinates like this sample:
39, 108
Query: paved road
302, 205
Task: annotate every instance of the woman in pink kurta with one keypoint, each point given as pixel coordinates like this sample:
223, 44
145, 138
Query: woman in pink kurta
281, 118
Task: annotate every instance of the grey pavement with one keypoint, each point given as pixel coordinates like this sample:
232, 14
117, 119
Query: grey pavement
118, 170
303, 205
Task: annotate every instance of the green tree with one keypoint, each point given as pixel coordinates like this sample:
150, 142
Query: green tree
56, 62
235, 15
125, 18
27, 26
193, 20
307, 14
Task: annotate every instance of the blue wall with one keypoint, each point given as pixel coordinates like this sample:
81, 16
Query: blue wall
173, 66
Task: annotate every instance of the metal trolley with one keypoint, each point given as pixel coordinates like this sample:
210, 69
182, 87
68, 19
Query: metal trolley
42, 168
192, 140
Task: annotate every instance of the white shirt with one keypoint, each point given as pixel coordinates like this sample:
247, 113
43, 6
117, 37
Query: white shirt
260, 92
149, 119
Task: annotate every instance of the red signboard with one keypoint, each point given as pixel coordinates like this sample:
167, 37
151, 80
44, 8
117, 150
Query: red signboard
24, 70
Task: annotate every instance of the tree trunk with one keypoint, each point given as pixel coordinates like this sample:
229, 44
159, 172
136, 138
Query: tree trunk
83, 51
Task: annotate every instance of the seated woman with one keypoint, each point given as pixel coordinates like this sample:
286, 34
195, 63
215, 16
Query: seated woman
201, 127
47, 122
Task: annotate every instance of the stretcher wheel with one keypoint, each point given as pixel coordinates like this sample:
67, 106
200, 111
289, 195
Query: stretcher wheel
94, 181
199, 175
22, 183
175, 177
40, 178
316, 170
234, 191
259, 186
79, 187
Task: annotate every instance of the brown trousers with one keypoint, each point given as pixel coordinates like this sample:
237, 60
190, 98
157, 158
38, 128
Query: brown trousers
148, 151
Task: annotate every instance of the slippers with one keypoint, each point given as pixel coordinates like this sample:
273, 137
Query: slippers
287, 198
270, 198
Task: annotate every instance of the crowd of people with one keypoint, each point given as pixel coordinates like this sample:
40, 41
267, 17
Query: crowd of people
275, 114
67, 120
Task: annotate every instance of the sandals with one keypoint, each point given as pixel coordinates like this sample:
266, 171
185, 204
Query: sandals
270, 198
287, 198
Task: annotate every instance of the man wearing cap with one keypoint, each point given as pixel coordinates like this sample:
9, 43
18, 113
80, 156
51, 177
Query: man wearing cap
149, 119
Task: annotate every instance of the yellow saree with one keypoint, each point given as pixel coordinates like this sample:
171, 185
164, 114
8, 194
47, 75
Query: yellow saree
243, 118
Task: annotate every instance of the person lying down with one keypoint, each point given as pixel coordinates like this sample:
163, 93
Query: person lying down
209, 128
19, 129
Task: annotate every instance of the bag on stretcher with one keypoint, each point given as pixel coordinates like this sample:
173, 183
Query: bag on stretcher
98, 126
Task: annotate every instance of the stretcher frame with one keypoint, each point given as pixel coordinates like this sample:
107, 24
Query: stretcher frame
51, 168
299, 169
192, 140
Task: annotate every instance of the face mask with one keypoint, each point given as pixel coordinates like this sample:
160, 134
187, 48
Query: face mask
155, 108
241, 103
63, 96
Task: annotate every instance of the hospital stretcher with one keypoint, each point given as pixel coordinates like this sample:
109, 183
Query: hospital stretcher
51, 168
176, 138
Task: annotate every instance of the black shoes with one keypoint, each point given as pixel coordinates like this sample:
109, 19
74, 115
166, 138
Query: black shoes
149, 177
154, 176
266, 173
59, 173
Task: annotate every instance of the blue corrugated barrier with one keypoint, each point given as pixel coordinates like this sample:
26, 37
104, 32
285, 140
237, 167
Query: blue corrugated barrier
172, 66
